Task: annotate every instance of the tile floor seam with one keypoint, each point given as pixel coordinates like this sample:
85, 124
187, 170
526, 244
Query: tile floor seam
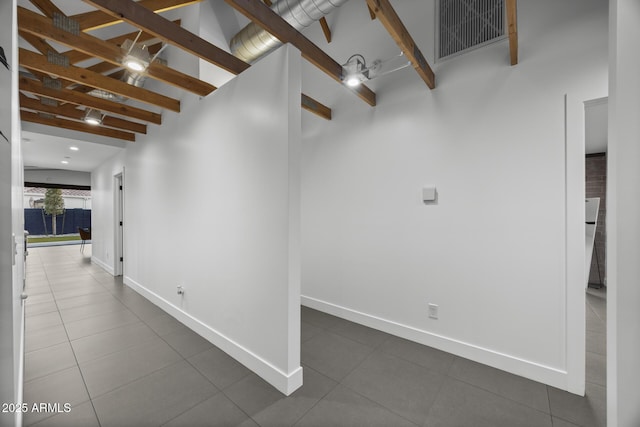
417, 364
191, 407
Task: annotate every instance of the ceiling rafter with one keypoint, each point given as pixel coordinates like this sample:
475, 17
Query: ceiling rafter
512, 23
266, 18
315, 107
76, 56
78, 98
35, 61
392, 22
29, 116
71, 112
139, 16
47, 7
99, 19
40, 26
325, 29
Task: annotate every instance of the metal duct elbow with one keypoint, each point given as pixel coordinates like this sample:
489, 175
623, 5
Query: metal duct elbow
252, 41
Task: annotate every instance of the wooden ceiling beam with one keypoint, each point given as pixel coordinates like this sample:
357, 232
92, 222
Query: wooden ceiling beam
512, 23
372, 15
47, 7
139, 16
34, 61
391, 21
315, 107
98, 19
78, 98
325, 29
29, 116
266, 18
71, 112
40, 26
76, 56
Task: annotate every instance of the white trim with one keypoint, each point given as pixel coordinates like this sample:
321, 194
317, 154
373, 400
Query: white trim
286, 383
597, 101
525, 368
106, 267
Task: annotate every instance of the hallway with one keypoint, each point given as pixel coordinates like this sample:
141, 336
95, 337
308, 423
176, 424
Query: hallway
119, 360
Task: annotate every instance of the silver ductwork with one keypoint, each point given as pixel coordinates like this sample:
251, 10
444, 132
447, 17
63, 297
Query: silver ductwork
252, 41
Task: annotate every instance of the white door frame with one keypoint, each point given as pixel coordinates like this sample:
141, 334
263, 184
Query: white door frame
118, 224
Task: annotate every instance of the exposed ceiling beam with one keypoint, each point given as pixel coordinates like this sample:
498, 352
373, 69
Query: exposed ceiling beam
325, 29
41, 26
512, 23
35, 61
71, 112
76, 56
259, 13
47, 7
391, 21
78, 98
316, 107
137, 15
28, 116
99, 19
371, 14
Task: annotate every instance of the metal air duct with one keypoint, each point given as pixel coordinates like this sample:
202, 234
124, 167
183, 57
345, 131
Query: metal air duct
252, 41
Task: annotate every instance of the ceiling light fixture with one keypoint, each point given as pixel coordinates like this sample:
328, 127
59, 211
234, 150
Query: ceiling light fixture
64, 162
74, 148
355, 70
136, 57
93, 117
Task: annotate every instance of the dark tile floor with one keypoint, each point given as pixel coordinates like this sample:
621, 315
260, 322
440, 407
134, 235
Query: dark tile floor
121, 361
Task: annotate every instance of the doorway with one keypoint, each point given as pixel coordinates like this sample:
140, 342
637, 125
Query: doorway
118, 253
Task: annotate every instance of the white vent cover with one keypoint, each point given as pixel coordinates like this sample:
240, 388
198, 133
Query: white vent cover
467, 24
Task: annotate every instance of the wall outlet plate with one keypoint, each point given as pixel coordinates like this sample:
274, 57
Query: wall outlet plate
433, 311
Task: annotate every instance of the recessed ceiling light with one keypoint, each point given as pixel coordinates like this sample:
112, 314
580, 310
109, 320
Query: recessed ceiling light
64, 162
73, 148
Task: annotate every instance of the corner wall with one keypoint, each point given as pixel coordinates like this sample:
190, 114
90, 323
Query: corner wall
212, 203
500, 250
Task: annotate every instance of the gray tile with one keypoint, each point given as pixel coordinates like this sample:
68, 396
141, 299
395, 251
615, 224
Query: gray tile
61, 387
164, 324
81, 300
594, 323
154, 399
419, 354
104, 322
186, 342
270, 408
557, 422
344, 407
111, 341
91, 310
48, 360
68, 293
597, 369
597, 342
588, 411
333, 355
81, 415
461, 404
144, 309
38, 297
362, 334
117, 369
40, 308
220, 368
45, 337
41, 321
217, 411
308, 331
507, 385
317, 318
403, 387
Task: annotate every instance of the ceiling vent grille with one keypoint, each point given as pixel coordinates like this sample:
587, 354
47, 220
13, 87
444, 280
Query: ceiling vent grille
468, 24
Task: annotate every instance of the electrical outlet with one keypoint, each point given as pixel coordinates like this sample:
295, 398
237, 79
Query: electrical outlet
433, 311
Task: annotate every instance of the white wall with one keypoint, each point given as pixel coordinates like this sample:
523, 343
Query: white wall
57, 176
491, 252
11, 223
212, 203
623, 211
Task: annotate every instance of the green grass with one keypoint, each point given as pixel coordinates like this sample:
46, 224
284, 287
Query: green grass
65, 238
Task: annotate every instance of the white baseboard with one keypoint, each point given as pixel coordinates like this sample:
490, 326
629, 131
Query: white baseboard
286, 383
103, 265
524, 368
